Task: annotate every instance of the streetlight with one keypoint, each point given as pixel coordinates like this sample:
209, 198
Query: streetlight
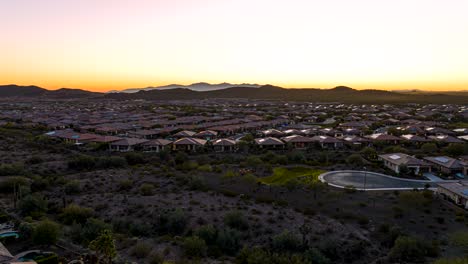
365, 177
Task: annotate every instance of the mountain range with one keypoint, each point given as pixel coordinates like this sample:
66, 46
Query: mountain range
341, 94
200, 87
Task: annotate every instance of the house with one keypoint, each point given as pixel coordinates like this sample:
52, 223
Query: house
356, 141
395, 161
385, 138
206, 135
189, 144
446, 139
269, 143
272, 133
298, 142
184, 133
105, 139
146, 134
156, 145
127, 144
444, 164
224, 145
414, 139
5, 255
437, 131
327, 142
454, 191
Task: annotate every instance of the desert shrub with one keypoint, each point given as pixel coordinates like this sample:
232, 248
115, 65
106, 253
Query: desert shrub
286, 241
46, 232
207, 233
73, 187
134, 158
155, 258
9, 184
205, 168
462, 260
111, 162
146, 189
410, 249
236, 220
460, 239
197, 183
11, 169
316, 257
141, 250
355, 159
83, 234
172, 222
125, 185
229, 241
82, 162
75, 213
194, 247
33, 205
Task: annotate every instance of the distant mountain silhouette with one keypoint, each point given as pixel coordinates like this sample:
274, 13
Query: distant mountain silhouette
340, 94
38, 92
200, 87
268, 92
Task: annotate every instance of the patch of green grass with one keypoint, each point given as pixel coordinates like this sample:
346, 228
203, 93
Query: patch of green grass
281, 176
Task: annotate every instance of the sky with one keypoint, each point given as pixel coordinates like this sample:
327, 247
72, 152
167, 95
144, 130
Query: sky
104, 45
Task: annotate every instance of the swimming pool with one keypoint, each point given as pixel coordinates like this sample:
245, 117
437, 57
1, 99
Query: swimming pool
363, 180
9, 234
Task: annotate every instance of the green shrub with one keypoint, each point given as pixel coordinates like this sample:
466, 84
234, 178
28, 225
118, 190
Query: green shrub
411, 249
229, 241
33, 205
73, 187
146, 189
207, 233
286, 241
141, 250
236, 220
75, 213
46, 233
194, 247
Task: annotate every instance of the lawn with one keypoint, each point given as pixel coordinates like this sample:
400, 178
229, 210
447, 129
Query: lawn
282, 175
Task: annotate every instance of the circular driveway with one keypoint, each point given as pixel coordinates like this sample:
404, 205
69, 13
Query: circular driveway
373, 181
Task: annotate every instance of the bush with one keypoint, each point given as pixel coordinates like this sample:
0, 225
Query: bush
236, 220
11, 169
75, 213
228, 241
155, 259
146, 189
73, 187
134, 158
194, 247
207, 233
141, 250
286, 241
9, 184
410, 249
83, 234
172, 222
33, 205
205, 168
46, 233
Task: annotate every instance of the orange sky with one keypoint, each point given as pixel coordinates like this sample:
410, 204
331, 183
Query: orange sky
105, 45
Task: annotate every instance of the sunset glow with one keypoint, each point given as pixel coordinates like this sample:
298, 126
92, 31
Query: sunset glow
103, 45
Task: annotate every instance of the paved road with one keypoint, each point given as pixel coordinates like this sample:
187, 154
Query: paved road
373, 181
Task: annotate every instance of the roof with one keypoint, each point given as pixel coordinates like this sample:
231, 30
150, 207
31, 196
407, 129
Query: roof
445, 161
325, 139
158, 142
381, 136
296, 138
446, 139
414, 138
185, 133
206, 133
190, 141
403, 159
5, 255
268, 141
224, 142
129, 142
460, 187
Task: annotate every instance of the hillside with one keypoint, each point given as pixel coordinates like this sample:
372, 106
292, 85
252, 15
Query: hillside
41, 93
268, 92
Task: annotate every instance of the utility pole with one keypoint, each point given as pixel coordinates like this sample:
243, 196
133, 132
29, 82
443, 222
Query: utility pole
365, 178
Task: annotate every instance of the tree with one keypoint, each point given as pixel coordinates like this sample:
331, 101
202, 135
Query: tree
428, 148
33, 205
455, 150
75, 213
104, 246
369, 153
355, 159
46, 233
